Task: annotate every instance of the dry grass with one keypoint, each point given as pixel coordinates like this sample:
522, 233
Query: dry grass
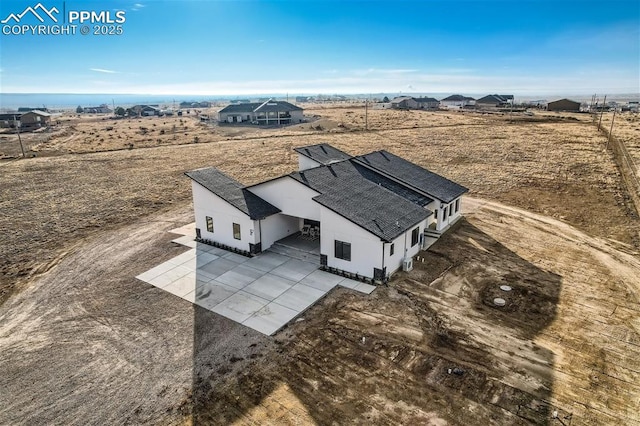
556, 168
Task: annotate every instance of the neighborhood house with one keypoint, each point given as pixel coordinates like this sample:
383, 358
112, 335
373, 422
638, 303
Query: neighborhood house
367, 215
269, 112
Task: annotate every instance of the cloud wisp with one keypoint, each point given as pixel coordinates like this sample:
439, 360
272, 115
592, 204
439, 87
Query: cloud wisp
104, 71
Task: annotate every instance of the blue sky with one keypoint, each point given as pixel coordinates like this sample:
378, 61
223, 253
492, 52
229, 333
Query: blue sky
251, 47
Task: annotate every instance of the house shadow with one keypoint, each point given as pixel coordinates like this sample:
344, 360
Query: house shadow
433, 344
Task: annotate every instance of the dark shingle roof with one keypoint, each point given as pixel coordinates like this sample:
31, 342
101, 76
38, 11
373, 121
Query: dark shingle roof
276, 106
267, 106
426, 100
233, 192
494, 99
458, 98
373, 207
393, 186
413, 175
323, 153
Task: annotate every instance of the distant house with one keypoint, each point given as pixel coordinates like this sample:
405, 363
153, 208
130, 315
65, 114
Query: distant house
34, 120
404, 102
563, 105
8, 120
240, 101
102, 109
203, 104
27, 109
494, 101
302, 99
366, 215
145, 110
457, 102
269, 112
427, 103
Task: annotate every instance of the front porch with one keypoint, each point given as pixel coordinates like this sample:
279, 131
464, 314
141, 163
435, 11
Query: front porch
299, 247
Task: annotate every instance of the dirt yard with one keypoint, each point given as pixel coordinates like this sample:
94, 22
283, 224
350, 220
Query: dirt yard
76, 327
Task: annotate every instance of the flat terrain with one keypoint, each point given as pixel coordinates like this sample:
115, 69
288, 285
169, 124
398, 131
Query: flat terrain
85, 342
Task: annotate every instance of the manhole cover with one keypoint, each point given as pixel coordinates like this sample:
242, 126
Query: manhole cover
505, 288
499, 301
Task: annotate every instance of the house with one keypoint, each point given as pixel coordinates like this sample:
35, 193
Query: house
102, 109
145, 110
27, 109
301, 99
427, 103
404, 102
494, 101
457, 102
8, 120
563, 105
240, 101
266, 113
193, 104
34, 120
368, 214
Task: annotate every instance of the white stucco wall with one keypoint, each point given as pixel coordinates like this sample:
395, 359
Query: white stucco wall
444, 221
224, 215
305, 163
276, 227
366, 248
297, 116
403, 248
290, 196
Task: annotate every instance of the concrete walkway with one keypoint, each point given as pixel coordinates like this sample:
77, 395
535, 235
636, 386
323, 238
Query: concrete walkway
264, 292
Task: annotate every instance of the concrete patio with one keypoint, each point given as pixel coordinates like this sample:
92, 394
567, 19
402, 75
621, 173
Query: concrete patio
264, 292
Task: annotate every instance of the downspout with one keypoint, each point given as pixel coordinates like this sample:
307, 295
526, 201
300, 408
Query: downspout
382, 255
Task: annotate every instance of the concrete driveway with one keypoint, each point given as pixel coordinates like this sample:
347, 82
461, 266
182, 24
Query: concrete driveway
264, 292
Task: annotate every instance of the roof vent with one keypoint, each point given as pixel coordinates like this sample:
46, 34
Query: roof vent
323, 149
333, 172
385, 157
307, 151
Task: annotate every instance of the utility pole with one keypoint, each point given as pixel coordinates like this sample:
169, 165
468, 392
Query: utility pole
602, 112
366, 114
17, 124
113, 104
611, 129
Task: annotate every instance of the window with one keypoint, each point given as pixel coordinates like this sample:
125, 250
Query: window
343, 250
457, 205
414, 236
392, 249
444, 213
209, 224
450, 210
436, 215
236, 231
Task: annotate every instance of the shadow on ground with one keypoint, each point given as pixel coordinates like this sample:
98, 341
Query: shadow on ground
430, 347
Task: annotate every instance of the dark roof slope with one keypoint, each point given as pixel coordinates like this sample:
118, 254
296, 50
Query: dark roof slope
267, 106
458, 98
393, 186
323, 153
233, 192
270, 105
412, 175
372, 207
426, 100
494, 99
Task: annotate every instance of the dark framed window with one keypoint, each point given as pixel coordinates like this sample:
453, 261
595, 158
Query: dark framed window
392, 249
342, 250
450, 210
435, 214
444, 213
414, 236
457, 205
236, 231
209, 224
